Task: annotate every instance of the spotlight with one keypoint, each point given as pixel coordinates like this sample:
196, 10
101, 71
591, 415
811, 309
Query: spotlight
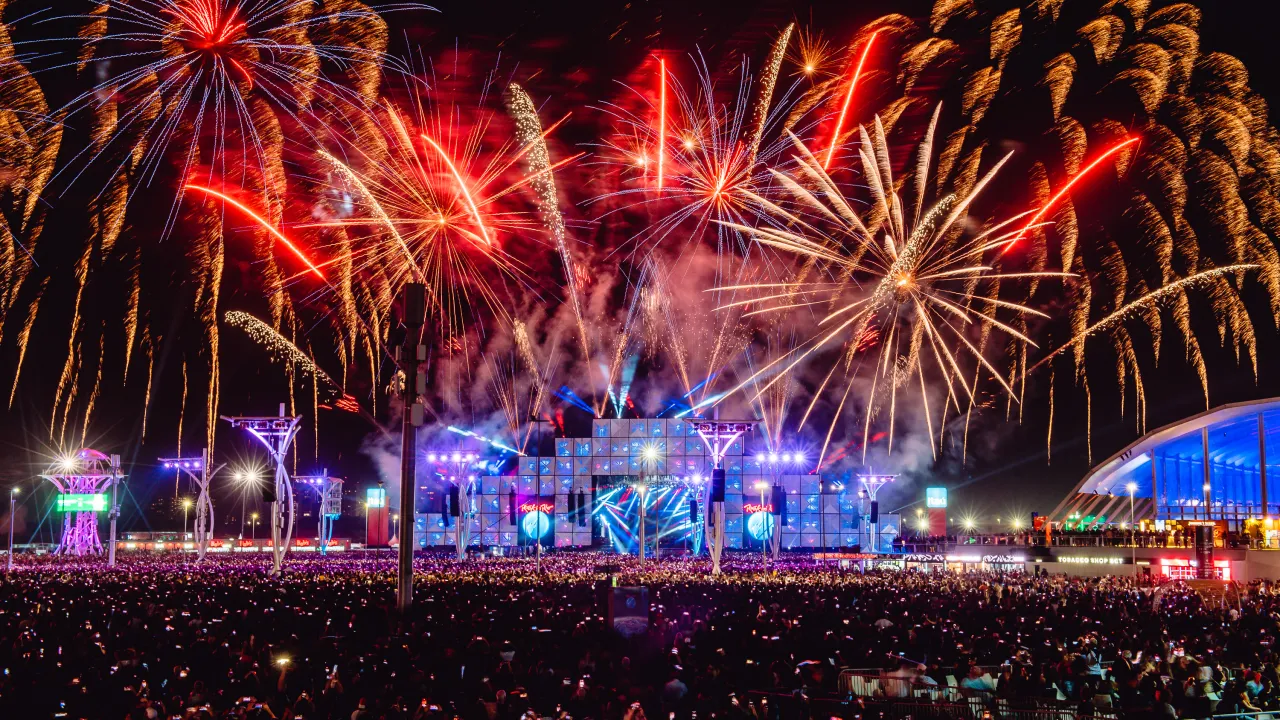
457, 457
773, 457
760, 457
799, 457
431, 457
786, 457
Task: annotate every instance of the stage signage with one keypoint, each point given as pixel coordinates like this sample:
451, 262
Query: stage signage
753, 508
542, 507
935, 497
81, 502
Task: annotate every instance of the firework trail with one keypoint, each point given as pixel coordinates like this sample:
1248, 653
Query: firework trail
538, 161
1138, 307
29, 143
278, 345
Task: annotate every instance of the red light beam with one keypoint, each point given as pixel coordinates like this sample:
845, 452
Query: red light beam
261, 221
848, 98
1066, 189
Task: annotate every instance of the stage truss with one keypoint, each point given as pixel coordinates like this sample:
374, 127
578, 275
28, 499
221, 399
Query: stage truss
88, 473
197, 471
718, 436
276, 434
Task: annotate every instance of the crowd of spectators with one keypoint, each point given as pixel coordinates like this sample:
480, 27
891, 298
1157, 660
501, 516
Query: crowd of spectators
495, 639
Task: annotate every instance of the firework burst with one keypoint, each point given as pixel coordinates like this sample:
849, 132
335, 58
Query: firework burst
903, 273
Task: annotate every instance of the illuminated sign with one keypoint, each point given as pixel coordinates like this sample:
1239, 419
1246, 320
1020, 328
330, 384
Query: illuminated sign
542, 507
925, 557
752, 508
1004, 559
760, 525
1083, 560
722, 427
376, 497
536, 524
81, 502
935, 497
988, 559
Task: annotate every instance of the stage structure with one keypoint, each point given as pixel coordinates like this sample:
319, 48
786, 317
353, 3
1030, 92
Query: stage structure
582, 491
871, 485
718, 437
276, 434
457, 467
82, 481
330, 491
197, 471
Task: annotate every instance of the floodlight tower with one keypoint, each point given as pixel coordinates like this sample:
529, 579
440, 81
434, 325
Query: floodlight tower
197, 470
330, 490
871, 484
276, 434
81, 479
718, 437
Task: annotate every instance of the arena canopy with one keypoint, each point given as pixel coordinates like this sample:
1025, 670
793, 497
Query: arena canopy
1166, 473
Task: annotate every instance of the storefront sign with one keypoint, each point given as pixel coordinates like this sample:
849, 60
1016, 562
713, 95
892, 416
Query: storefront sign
925, 557
1086, 560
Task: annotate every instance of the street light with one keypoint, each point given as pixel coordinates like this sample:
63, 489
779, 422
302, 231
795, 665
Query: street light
13, 493
254, 517
245, 478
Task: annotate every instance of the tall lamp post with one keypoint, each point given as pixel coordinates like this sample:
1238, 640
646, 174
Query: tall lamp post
254, 529
13, 494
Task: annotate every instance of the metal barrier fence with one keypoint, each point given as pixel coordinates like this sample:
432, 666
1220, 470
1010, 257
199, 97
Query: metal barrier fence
798, 707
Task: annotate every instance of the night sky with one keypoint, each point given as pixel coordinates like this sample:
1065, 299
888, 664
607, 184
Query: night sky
570, 57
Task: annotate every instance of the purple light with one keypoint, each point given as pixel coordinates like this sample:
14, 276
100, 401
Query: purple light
760, 457
431, 457
786, 457
457, 457
773, 457
799, 457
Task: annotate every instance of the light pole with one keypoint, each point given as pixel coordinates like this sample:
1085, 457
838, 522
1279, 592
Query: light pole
182, 546
641, 490
764, 546
254, 528
13, 493
1133, 553
394, 518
